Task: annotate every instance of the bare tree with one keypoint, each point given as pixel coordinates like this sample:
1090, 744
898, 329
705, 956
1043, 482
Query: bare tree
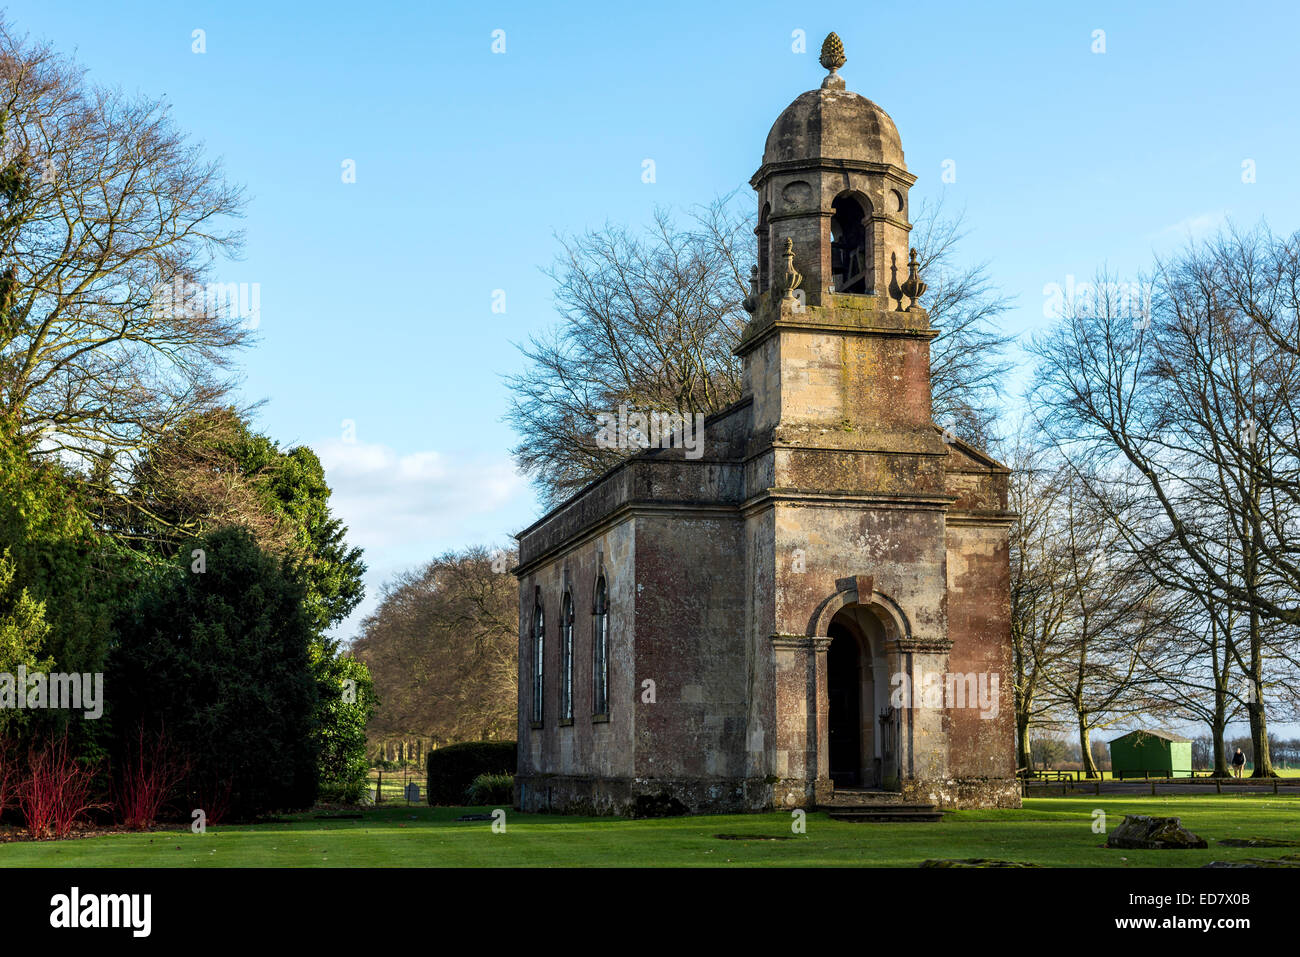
650, 321
189, 481
1111, 616
1039, 588
106, 205
442, 650
963, 304
1186, 416
1197, 666
1086, 622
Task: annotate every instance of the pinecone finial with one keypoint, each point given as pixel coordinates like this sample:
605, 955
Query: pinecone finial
832, 52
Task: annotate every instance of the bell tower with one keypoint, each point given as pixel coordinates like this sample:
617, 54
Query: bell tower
838, 349
833, 180
845, 482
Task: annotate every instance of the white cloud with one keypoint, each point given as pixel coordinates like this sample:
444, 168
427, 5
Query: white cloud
390, 500
1191, 228
404, 509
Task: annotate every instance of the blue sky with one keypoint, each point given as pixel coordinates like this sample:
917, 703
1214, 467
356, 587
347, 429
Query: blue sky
376, 296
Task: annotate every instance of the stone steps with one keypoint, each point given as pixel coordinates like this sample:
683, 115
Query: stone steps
885, 813
877, 806
855, 797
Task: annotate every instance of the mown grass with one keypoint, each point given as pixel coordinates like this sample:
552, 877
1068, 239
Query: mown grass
1054, 832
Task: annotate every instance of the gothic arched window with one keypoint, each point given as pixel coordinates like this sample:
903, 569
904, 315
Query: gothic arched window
566, 659
539, 636
600, 651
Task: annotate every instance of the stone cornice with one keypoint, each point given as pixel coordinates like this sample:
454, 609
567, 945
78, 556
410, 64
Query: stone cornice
766, 499
888, 170
828, 213
985, 519
795, 325
622, 513
843, 314
800, 642
785, 444
925, 646
860, 500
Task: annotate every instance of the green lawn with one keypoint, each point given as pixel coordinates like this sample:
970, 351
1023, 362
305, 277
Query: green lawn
1048, 831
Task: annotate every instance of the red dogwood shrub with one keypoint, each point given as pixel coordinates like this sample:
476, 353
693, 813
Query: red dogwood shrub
8, 773
147, 778
214, 798
56, 792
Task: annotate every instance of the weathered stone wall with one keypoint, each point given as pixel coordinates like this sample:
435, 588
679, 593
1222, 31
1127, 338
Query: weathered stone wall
685, 748
588, 745
956, 793
690, 604
982, 764
903, 549
979, 621
639, 797
662, 529
853, 365
759, 660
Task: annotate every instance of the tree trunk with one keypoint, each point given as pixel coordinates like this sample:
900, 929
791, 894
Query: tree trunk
1085, 747
1258, 720
1219, 723
1023, 758
1217, 727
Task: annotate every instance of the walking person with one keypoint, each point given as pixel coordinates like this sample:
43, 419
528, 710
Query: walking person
1238, 762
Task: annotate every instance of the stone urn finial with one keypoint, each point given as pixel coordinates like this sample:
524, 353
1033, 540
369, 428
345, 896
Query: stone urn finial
832, 58
750, 302
787, 281
913, 288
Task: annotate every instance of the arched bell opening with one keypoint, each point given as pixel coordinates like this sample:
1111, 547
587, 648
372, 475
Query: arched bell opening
851, 270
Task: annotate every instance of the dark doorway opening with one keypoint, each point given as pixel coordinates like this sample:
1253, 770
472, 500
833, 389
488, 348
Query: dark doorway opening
844, 723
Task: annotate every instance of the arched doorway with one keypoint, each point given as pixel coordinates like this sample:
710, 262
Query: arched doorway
861, 723
844, 694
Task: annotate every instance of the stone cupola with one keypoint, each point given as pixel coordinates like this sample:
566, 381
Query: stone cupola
834, 181
837, 354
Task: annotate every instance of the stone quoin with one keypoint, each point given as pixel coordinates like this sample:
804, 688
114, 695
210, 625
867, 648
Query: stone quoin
724, 632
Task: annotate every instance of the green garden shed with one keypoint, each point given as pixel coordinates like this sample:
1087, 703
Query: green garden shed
1156, 754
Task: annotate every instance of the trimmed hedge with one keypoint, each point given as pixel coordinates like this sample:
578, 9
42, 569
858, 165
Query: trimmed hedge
451, 770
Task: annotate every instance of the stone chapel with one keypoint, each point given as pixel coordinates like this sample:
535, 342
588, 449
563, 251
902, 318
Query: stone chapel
818, 602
